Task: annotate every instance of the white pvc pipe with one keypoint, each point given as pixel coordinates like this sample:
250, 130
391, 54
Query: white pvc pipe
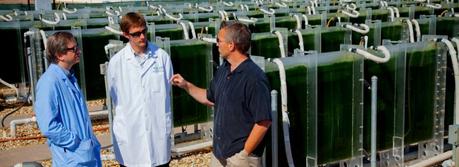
281, 4
172, 17
305, 18
298, 21
247, 7
417, 29
185, 30
6, 18
208, 9
16, 122
300, 40
228, 3
113, 30
313, 9
10, 86
284, 107
397, 12
193, 31
372, 57
392, 15
363, 28
454, 60
434, 5
410, 30
309, 10
250, 21
64, 16
110, 46
351, 6
365, 39
69, 11
353, 14
210, 40
43, 37
281, 43
433, 160
270, 12
56, 19
374, 116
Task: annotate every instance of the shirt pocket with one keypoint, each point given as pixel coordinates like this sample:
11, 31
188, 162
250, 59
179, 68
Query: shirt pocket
157, 80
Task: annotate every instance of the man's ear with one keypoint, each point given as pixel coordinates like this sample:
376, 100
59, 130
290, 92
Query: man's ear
59, 57
125, 35
232, 46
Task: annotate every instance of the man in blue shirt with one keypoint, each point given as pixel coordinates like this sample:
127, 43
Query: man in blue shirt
60, 108
239, 92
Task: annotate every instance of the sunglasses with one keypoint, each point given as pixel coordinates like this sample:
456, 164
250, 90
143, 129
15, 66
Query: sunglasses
73, 49
137, 34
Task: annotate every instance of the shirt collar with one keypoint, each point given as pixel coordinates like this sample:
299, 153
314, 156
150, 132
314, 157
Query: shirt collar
149, 51
240, 68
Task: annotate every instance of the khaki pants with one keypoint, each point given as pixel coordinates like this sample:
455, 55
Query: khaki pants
240, 159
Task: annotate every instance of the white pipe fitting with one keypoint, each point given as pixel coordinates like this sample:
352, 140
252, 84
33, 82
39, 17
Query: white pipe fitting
434, 6
43, 37
208, 9
298, 21
371, 56
193, 31
180, 16
111, 29
249, 21
433, 160
56, 19
300, 40
10, 86
281, 43
417, 29
353, 13
362, 30
285, 119
110, 46
7, 18
281, 4
351, 6
305, 18
74, 10
229, 4
185, 30
410, 30
16, 122
210, 40
392, 13
270, 12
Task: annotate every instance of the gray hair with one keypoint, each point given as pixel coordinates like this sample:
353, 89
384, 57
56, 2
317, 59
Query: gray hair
237, 33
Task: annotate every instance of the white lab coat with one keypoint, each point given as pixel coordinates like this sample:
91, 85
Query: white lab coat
141, 99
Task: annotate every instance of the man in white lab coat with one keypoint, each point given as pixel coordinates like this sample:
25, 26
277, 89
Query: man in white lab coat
138, 78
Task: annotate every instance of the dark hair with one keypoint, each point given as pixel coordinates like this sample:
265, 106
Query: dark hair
237, 33
57, 44
132, 19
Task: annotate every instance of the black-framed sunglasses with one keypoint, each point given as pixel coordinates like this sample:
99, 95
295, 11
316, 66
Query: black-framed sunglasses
137, 34
73, 49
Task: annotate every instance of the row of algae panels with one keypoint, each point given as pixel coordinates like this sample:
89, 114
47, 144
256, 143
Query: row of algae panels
196, 59
331, 91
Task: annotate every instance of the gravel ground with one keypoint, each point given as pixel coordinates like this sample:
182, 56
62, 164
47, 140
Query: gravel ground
196, 159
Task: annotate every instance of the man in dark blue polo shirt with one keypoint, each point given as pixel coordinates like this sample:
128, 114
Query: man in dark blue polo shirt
239, 92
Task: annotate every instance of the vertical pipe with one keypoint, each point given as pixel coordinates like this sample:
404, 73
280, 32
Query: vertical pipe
274, 128
374, 93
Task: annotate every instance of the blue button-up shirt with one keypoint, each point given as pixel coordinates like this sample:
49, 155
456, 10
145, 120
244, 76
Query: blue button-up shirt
63, 118
241, 99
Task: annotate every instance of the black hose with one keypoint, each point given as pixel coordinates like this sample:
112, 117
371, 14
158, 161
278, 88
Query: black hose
11, 112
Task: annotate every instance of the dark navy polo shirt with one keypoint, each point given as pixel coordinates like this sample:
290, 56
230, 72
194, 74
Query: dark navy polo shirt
241, 99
